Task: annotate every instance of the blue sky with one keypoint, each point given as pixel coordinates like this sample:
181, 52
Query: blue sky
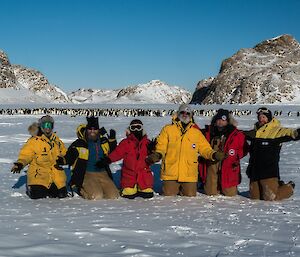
115, 43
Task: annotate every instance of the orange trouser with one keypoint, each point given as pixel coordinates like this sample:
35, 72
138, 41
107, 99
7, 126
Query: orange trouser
98, 185
269, 190
212, 184
173, 187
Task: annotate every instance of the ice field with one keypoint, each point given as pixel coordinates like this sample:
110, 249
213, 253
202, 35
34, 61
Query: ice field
161, 226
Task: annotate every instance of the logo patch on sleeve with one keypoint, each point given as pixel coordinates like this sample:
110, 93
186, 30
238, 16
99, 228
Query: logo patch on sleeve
231, 152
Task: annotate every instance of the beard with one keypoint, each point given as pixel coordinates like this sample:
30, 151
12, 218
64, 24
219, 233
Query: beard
93, 136
185, 120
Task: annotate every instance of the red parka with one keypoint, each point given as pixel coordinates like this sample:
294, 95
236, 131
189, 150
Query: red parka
235, 148
134, 170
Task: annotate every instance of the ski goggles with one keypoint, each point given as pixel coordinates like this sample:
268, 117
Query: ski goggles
47, 125
136, 127
262, 110
185, 113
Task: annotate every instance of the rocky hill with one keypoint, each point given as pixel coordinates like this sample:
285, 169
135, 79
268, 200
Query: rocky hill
29, 85
19, 84
154, 91
267, 73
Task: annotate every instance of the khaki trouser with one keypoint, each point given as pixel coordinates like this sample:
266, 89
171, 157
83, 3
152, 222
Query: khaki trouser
269, 190
98, 185
212, 185
173, 187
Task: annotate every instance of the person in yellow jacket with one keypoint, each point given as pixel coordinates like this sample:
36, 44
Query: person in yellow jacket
44, 178
179, 145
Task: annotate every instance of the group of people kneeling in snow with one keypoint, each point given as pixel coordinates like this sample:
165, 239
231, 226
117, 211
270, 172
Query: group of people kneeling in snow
187, 154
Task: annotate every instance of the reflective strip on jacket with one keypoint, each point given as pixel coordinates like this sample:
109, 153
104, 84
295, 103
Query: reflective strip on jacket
180, 149
41, 152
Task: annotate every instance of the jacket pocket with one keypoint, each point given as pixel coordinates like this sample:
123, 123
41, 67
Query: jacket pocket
192, 168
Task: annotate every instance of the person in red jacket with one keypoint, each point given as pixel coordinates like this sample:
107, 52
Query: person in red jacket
223, 176
136, 176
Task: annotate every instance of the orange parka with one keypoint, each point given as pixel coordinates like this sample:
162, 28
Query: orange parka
41, 152
180, 149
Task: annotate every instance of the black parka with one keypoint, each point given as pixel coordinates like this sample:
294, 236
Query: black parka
265, 149
77, 155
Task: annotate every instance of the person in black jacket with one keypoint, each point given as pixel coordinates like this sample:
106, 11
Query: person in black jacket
89, 180
263, 169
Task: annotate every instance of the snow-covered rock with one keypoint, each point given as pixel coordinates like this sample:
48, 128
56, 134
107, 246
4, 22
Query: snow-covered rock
23, 85
154, 91
267, 73
19, 84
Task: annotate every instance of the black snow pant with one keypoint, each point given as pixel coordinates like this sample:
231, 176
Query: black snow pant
38, 191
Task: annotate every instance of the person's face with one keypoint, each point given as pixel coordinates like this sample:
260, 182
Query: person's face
220, 123
92, 133
185, 117
262, 119
47, 128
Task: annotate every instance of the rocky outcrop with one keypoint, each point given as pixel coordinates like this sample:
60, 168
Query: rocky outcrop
267, 73
21, 78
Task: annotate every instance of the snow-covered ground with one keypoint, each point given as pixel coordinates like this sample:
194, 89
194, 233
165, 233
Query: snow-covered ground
161, 226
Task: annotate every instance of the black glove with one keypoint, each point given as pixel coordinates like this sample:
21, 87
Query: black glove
112, 134
152, 145
60, 161
219, 156
102, 131
153, 158
103, 163
17, 167
296, 134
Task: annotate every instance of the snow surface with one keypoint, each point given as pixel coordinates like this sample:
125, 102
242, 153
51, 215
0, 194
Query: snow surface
161, 226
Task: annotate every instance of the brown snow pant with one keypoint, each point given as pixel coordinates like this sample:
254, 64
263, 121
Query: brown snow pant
98, 185
173, 187
212, 184
269, 190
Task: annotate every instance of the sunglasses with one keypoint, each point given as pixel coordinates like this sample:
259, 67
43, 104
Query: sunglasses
136, 127
184, 112
47, 125
262, 111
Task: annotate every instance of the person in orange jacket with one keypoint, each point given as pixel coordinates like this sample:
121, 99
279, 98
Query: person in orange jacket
44, 178
179, 145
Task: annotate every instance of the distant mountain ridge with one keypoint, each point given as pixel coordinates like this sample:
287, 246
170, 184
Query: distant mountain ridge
268, 73
154, 91
19, 84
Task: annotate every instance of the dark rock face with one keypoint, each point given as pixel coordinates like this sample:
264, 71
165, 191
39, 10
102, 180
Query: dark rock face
267, 73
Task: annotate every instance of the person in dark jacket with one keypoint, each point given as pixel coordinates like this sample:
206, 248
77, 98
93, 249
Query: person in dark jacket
263, 169
136, 176
90, 181
223, 176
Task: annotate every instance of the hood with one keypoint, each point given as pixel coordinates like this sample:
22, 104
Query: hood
80, 131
